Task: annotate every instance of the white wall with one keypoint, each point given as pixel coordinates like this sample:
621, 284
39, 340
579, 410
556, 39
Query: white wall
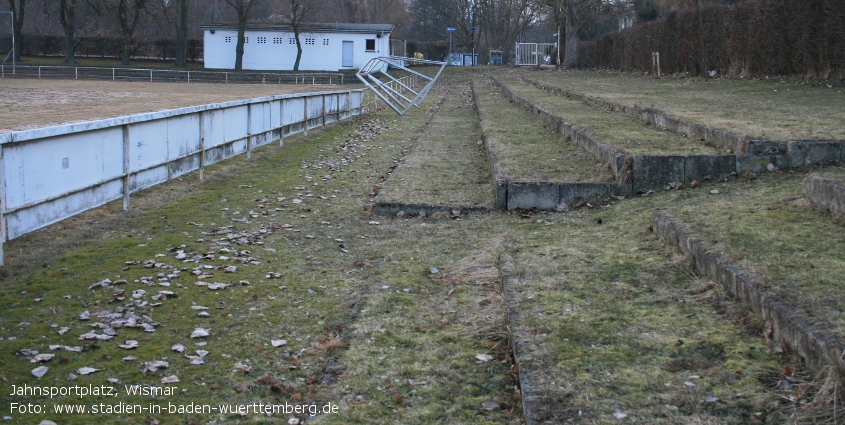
49, 174
273, 56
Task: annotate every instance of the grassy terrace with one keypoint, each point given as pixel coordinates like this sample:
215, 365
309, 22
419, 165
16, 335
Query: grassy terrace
619, 324
447, 166
752, 108
770, 228
614, 128
404, 320
525, 148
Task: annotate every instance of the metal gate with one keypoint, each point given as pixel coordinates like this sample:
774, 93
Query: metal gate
533, 54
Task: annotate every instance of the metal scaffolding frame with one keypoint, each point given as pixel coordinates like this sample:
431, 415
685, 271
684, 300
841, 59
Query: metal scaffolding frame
396, 99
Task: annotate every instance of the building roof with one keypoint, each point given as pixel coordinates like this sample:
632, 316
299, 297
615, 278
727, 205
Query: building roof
305, 27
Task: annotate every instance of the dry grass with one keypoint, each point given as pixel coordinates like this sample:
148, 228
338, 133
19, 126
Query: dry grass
446, 166
525, 148
771, 229
751, 108
616, 129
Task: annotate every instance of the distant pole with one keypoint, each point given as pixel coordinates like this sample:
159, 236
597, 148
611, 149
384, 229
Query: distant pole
13, 41
450, 30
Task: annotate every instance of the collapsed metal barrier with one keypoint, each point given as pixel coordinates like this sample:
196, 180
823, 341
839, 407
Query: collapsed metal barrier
394, 98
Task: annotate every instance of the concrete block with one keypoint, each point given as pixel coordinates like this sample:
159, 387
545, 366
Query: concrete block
654, 171
574, 194
541, 195
826, 195
758, 163
806, 152
501, 193
715, 166
765, 147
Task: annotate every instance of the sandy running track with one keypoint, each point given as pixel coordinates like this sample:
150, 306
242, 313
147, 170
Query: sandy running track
33, 103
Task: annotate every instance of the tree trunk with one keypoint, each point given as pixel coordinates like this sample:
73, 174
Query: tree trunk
70, 47
570, 56
67, 16
182, 34
17, 25
239, 48
127, 50
298, 48
571, 26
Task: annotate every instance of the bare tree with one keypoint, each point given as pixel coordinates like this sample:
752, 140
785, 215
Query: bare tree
571, 15
18, 9
127, 14
298, 11
67, 16
243, 8
181, 33
503, 20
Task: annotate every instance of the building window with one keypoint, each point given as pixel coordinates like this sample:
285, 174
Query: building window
325, 42
246, 39
262, 40
292, 40
371, 45
228, 38
309, 41
277, 40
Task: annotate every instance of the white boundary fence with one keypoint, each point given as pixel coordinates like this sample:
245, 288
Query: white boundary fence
153, 75
50, 174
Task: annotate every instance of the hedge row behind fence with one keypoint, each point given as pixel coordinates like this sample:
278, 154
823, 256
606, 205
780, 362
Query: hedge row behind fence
751, 38
43, 45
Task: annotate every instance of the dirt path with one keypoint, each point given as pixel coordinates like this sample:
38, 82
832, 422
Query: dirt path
33, 103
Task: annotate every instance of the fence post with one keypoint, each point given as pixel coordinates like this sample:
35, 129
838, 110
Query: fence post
281, 122
202, 145
324, 111
249, 131
2, 207
305, 120
76, 72
39, 72
126, 147
151, 75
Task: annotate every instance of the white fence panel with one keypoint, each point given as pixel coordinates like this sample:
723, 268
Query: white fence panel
294, 114
43, 214
57, 165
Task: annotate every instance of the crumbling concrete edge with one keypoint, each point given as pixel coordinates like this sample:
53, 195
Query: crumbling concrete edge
511, 195
826, 195
392, 208
792, 154
603, 152
818, 348
533, 403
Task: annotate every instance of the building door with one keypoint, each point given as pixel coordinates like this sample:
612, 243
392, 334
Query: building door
347, 54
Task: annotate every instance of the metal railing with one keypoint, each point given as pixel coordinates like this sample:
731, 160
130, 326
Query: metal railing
170, 75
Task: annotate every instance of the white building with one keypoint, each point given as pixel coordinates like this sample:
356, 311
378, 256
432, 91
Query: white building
325, 47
